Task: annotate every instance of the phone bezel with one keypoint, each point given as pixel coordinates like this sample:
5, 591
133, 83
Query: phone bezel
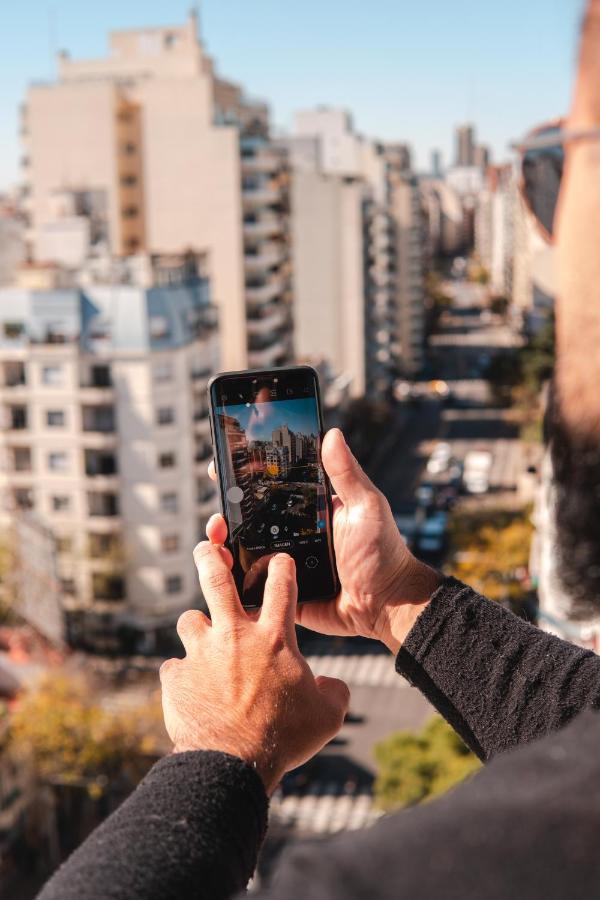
216, 381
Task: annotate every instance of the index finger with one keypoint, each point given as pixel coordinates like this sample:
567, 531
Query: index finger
217, 585
281, 594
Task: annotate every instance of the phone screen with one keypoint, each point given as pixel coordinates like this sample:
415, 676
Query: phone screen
274, 491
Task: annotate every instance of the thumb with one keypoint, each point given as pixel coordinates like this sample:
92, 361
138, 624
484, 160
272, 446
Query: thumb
347, 478
336, 693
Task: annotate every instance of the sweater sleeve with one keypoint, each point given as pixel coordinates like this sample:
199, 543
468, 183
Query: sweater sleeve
496, 679
191, 829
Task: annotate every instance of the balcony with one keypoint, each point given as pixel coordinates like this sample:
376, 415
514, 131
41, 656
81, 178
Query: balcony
274, 318
264, 161
265, 293
256, 197
108, 587
267, 257
275, 354
263, 227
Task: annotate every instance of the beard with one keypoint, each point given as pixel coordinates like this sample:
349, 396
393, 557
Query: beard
576, 482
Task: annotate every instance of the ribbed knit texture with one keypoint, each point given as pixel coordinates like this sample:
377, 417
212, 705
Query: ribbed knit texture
192, 828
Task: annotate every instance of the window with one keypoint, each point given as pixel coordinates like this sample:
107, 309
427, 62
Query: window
163, 371
108, 587
100, 462
103, 545
13, 329
64, 544
129, 180
165, 415
159, 327
23, 498
98, 418
22, 459
102, 504
18, 417
52, 375
58, 462
60, 503
170, 543
100, 376
55, 418
68, 586
129, 212
169, 503
129, 149
173, 584
166, 460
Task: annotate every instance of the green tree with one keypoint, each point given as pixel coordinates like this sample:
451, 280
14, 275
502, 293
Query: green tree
416, 766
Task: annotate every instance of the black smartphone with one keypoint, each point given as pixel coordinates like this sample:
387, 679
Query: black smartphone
267, 429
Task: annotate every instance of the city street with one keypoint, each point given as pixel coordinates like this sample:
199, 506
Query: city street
335, 792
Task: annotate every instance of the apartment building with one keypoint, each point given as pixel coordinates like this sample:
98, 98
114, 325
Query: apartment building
105, 437
494, 223
148, 150
351, 232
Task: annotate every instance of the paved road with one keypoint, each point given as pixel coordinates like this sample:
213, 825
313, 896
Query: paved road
335, 794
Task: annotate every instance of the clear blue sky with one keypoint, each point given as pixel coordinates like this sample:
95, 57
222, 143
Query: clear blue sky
407, 69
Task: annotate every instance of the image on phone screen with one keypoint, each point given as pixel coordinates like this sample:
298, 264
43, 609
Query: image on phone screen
274, 489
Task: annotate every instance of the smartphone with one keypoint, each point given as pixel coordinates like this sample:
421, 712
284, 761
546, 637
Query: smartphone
267, 429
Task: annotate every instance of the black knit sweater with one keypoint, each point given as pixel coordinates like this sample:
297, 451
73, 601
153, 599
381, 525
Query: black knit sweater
526, 826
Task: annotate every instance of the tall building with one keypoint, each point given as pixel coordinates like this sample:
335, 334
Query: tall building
436, 164
465, 145
105, 437
481, 156
349, 293
149, 150
494, 223
239, 472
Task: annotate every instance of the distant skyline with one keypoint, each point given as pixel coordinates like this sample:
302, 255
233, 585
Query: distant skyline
299, 415
406, 72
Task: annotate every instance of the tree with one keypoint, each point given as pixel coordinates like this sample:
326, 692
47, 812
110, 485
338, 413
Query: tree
413, 767
490, 552
70, 738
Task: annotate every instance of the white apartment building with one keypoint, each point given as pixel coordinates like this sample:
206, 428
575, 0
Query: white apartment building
350, 231
105, 436
148, 150
494, 223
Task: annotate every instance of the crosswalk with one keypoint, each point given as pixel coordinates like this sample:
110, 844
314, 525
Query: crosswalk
369, 669
324, 810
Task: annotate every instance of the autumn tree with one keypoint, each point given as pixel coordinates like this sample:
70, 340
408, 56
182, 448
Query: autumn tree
417, 766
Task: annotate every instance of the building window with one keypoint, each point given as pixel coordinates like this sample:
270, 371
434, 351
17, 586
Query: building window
58, 462
163, 371
170, 543
100, 462
64, 545
166, 460
169, 503
100, 376
22, 459
14, 330
23, 498
52, 375
101, 546
98, 418
108, 587
159, 327
102, 504
130, 212
18, 417
60, 503
129, 180
165, 415
55, 418
68, 586
129, 149
173, 584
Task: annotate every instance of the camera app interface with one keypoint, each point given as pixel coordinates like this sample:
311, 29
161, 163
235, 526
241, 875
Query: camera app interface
274, 485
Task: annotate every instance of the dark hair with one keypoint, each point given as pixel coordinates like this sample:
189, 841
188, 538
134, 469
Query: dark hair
576, 469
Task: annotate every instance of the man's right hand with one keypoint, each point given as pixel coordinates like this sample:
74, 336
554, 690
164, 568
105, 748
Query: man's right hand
383, 586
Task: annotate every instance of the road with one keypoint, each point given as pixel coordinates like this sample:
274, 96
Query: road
335, 793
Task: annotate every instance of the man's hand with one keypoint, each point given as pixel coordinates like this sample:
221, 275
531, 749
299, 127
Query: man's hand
384, 587
243, 687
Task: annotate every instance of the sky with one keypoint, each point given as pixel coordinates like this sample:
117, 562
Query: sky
406, 70
260, 420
